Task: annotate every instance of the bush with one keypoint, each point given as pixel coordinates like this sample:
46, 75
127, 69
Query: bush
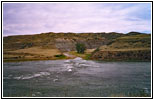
60, 56
80, 48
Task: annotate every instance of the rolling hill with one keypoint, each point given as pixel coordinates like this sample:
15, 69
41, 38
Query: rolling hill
130, 47
47, 45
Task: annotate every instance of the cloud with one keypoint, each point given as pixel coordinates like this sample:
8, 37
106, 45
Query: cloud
31, 18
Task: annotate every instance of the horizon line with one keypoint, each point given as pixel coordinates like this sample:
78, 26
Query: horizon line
77, 33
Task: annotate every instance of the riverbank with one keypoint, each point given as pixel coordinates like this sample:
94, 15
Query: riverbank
35, 53
17, 59
110, 56
122, 55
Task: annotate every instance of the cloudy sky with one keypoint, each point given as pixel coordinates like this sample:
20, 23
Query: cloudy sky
34, 18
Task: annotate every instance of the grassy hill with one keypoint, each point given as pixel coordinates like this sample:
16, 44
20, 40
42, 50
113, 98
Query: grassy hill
130, 47
48, 45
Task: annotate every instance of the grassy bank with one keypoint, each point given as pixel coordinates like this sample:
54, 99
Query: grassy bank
85, 55
32, 54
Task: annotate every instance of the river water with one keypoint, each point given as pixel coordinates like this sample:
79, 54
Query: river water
76, 78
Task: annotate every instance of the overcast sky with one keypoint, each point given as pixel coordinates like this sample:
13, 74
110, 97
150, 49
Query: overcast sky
34, 18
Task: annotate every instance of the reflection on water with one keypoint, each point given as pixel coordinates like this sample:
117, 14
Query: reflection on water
76, 78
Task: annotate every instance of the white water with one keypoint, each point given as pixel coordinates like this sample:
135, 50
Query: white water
29, 76
76, 77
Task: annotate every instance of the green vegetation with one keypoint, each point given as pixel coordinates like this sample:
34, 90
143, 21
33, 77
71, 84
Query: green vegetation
80, 48
87, 57
61, 56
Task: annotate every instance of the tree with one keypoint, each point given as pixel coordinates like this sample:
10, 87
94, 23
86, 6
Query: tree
80, 48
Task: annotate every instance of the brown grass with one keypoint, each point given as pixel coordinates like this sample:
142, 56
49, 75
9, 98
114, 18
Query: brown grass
39, 51
34, 53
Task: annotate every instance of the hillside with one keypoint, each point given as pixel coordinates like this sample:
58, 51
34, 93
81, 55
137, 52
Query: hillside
55, 40
48, 45
130, 47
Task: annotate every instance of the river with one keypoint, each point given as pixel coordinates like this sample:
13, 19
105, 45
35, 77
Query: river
76, 78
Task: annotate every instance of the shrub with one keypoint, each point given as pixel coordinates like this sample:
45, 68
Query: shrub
60, 56
80, 48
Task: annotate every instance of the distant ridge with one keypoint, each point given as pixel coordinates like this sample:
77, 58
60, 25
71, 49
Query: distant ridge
14, 46
132, 32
